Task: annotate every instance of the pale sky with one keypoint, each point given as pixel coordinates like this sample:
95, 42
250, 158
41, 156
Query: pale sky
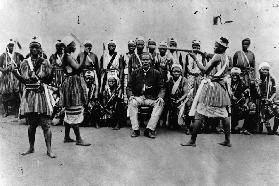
123, 20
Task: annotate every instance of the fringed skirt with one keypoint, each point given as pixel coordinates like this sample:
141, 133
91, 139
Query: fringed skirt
33, 102
214, 100
73, 92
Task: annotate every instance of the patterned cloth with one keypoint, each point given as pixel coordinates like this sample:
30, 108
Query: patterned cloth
73, 91
58, 72
9, 84
212, 98
34, 98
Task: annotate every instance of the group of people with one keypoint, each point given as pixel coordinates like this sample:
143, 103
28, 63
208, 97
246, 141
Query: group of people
189, 93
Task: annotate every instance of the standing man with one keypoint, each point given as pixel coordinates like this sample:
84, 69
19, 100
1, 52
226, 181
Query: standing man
9, 84
194, 74
110, 64
145, 87
126, 59
245, 60
36, 103
212, 99
172, 54
91, 61
151, 44
57, 65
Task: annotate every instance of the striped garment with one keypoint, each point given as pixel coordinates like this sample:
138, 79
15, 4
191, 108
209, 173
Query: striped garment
73, 91
74, 115
34, 99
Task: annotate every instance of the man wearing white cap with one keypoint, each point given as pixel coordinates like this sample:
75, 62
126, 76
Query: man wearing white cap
9, 84
163, 64
151, 44
239, 99
245, 60
111, 63
36, 102
267, 88
113, 108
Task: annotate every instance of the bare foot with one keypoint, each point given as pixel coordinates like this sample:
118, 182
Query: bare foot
190, 143
225, 143
51, 154
28, 152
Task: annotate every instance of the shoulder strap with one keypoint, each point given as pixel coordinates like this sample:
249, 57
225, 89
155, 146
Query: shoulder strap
111, 60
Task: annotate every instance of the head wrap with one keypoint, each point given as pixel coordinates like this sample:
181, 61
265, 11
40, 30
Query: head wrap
140, 39
87, 42
151, 43
196, 42
111, 42
223, 41
246, 39
113, 77
131, 43
11, 41
264, 64
58, 42
163, 44
235, 70
89, 73
176, 66
146, 54
172, 40
36, 39
68, 40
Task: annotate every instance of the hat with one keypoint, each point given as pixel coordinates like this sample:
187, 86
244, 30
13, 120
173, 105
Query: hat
151, 43
36, 39
163, 44
223, 41
131, 43
235, 70
11, 41
68, 40
176, 66
111, 42
58, 42
246, 39
196, 42
173, 40
140, 39
87, 42
264, 64
113, 77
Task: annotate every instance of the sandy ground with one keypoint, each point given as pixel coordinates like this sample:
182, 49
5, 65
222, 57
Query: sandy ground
117, 159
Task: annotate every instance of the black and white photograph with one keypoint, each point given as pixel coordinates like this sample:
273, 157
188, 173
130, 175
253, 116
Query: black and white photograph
139, 92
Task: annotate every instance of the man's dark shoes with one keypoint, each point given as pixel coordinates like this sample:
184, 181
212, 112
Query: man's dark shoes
225, 143
135, 133
149, 133
68, 140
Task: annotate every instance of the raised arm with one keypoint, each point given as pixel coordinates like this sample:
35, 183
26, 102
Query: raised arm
208, 67
73, 63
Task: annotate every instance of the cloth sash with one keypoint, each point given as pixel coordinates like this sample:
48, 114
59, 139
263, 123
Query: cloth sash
59, 61
243, 56
176, 85
203, 82
11, 57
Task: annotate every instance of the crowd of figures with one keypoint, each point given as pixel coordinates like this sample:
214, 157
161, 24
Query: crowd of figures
196, 92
